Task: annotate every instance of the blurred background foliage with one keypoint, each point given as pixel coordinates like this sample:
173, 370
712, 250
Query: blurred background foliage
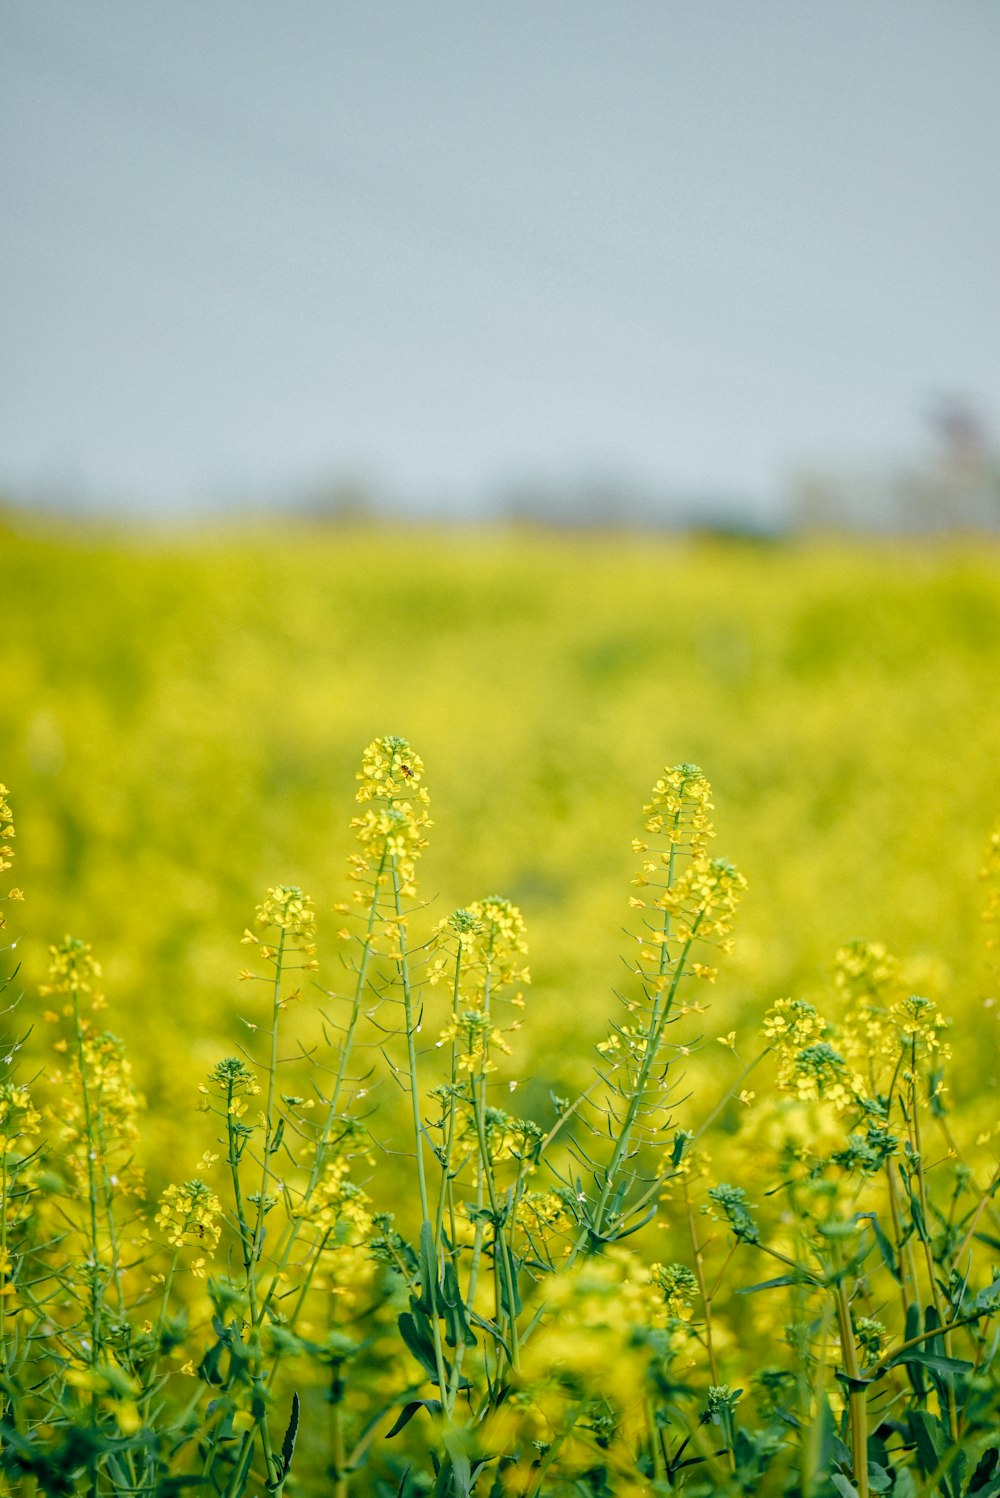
181, 721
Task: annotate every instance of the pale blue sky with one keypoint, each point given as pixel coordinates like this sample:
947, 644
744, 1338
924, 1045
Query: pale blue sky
442, 246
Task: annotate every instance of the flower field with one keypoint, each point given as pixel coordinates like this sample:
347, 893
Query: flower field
601, 1100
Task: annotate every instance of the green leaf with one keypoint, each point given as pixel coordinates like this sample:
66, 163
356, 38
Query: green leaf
636, 1226
415, 1330
430, 1290
288, 1444
457, 1327
914, 1370
209, 1368
985, 1469
494, 1331
511, 1311
884, 1247
855, 1385
934, 1361
844, 1487
917, 1213
454, 1480
408, 1411
777, 1283
930, 1439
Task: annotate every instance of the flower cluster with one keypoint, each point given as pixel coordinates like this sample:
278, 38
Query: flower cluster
475, 1037
73, 972
679, 1286
868, 980
481, 951
865, 972
703, 900
288, 909
809, 1066
20, 1120
6, 851
20, 1123
679, 809
731, 1202
695, 896
190, 1216
483, 945
920, 1024
236, 1082
870, 1333
792, 1024
391, 770
288, 921
545, 1211
99, 1115
819, 1073
391, 831
337, 1205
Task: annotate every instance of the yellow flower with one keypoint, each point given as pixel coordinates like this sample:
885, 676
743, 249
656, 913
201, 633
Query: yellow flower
6, 851
72, 969
286, 909
920, 1023
190, 1215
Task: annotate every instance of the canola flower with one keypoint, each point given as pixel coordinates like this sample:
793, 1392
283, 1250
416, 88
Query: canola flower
480, 950
189, 1216
688, 901
391, 834
552, 1309
7, 834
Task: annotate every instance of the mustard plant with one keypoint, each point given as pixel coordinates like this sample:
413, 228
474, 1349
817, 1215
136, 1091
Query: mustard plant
378, 1277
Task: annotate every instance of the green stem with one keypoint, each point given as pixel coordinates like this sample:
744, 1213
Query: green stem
653, 1038
403, 968
89, 1152
952, 1413
706, 1299
501, 1248
857, 1400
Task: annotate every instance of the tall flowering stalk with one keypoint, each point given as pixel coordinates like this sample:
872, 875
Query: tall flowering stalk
685, 902
97, 1118
283, 937
479, 953
391, 831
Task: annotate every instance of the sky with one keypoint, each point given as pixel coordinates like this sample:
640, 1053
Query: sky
440, 248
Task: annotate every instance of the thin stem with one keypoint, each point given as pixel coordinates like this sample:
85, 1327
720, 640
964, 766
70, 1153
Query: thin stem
699, 1270
856, 1397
